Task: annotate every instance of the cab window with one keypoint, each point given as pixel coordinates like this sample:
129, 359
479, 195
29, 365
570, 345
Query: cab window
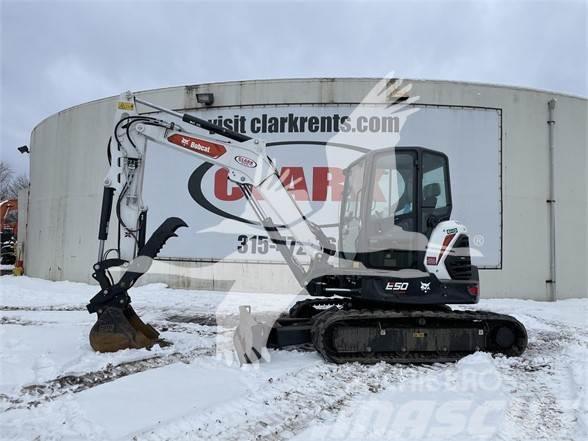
393, 188
352, 206
434, 181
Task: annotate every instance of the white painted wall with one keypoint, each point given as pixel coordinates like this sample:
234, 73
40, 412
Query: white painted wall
68, 163
23, 202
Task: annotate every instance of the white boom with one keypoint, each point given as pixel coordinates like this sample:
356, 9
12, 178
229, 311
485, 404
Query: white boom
245, 159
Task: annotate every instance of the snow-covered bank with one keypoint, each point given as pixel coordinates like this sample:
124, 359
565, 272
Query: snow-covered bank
52, 386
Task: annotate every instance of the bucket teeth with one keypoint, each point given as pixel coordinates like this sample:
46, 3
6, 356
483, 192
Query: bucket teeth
118, 329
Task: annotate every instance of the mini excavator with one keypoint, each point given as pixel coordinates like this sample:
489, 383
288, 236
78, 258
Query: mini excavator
381, 295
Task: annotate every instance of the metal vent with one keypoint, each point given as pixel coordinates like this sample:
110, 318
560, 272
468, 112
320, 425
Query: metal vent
459, 263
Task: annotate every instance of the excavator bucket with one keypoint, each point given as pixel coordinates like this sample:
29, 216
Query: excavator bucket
118, 325
118, 329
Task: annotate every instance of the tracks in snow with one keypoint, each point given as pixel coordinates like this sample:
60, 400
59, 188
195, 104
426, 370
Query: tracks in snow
293, 400
33, 395
65, 308
288, 404
537, 410
291, 403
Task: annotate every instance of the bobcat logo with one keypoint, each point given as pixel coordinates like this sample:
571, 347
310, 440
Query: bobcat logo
425, 287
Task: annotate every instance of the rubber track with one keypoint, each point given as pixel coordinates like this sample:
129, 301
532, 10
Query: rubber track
330, 318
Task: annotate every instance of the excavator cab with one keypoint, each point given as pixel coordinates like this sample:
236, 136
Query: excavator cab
392, 200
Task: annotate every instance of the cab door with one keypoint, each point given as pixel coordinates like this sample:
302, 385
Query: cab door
391, 217
352, 207
435, 191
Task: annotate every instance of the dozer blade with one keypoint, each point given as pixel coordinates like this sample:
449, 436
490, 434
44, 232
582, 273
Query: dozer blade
250, 337
118, 329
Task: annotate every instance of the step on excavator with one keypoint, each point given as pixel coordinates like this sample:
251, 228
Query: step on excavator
382, 294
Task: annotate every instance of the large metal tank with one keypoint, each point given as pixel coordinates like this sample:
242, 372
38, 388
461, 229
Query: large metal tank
497, 139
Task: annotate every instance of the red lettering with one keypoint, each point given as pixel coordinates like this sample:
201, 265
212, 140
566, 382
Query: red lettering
325, 177
294, 181
225, 190
293, 178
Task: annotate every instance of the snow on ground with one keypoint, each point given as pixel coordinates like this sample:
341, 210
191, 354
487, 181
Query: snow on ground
54, 387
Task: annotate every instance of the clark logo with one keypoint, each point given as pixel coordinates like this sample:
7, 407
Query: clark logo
246, 162
315, 183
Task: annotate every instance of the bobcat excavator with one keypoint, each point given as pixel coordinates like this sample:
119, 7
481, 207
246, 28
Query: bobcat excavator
382, 296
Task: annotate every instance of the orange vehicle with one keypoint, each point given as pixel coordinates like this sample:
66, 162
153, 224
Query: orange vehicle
8, 230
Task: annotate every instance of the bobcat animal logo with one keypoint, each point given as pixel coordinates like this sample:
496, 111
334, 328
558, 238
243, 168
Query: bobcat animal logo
425, 287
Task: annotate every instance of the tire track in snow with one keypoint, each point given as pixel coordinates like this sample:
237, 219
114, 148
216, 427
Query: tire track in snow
289, 403
297, 400
569, 329
35, 394
24, 322
537, 411
43, 308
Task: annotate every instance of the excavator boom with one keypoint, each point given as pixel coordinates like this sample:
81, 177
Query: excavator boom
245, 158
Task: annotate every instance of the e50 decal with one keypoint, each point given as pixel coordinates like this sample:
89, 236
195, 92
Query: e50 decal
397, 286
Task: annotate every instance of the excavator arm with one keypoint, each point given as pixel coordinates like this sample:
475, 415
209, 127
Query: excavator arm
248, 166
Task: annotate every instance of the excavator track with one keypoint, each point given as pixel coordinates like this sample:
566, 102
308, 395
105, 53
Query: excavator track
419, 336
